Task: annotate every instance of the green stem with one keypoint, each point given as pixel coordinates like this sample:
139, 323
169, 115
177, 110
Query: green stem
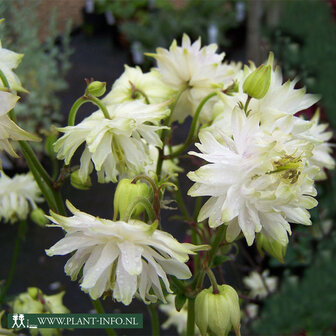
13, 263
220, 235
213, 281
180, 202
82, 100
72, 114
132, 206
41, 176
100, 309
164, 134
155, 319
192, 128
4, 80
191, 317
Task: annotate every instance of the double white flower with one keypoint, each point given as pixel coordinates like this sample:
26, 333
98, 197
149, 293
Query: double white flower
116, 146
256, 183
198, 71
125, 258
18, 195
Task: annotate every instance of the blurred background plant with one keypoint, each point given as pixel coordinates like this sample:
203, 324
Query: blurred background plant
43, 67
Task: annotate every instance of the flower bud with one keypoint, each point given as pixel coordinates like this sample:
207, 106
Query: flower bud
272, 247
77, 182
38, 217
33, 292
96, 89
258, 82
217, 314
54, 303
126, 193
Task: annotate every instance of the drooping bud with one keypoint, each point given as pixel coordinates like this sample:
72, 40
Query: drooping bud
258, 82
38, 217
96, 88
218, 314
126, 193
77, 182
272, 247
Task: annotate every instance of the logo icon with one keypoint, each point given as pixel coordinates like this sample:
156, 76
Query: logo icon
18, 321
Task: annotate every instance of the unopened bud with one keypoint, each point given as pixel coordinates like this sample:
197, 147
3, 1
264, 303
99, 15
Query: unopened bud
258, 82
78, 183
218, 314
38, 217
126, 193
271, 246
96, 88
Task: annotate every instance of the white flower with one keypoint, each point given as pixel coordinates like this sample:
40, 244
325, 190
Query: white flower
10, 60
322, 152
132, 79
256, 182
116, 146
282, 100
178, 319
197, 70
126, 258
260, 285
18, 195
251, 311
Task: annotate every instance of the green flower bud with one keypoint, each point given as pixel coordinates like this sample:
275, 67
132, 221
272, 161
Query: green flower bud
77, 182
126, 193
38, 217
96, 89
272, 247
33, 292
54, 303
258, 82
25, 304
218, 313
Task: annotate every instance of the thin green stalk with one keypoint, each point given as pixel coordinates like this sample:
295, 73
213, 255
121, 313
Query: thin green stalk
14, 261
220, 235
72, 114
213, 281
82, 100
100, 309
155, 320
164, 134
180, 201
191, 317
41, 176
192, 127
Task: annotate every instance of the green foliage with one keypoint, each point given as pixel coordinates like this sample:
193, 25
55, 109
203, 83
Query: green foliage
307, 305
164, 23
305, 44
43, 67
122, 9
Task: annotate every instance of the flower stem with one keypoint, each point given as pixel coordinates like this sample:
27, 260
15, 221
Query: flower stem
19, 237
213, 281
82, 100
220, 234
192, 128
164, 134
155, 320
41, 176
191, 317
100, 309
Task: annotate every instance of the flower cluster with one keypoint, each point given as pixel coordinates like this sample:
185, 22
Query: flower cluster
262, 159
